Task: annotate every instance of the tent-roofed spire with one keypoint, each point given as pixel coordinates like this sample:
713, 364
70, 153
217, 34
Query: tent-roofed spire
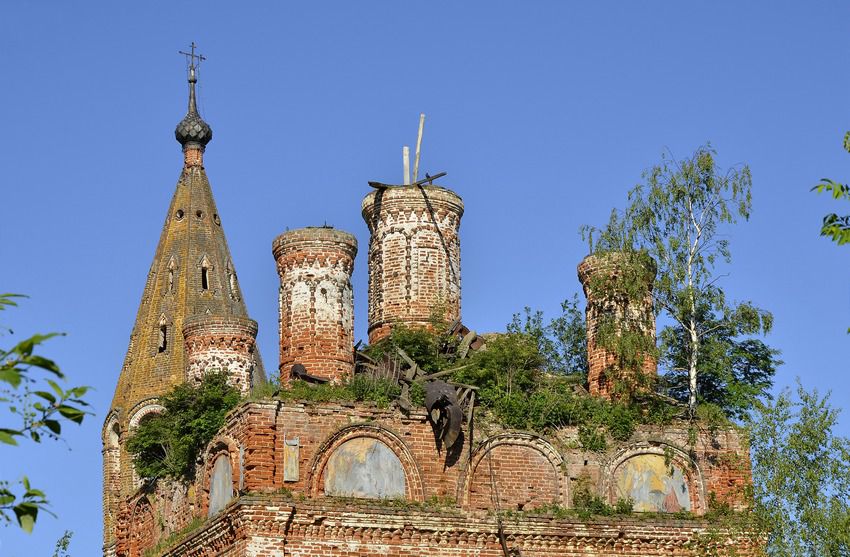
192, 273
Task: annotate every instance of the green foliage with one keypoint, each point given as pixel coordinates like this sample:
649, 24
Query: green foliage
735, 370
588, 504
562, 342
675, 218
165, 543
167, 445
426, 347
520, 395
360, 388
62, 545
30, 391
801, 476
835, 227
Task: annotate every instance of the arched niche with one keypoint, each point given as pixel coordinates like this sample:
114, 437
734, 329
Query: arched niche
221, 473
656, 478
368, 462
513, 471
142, 534
221, 484
141, 412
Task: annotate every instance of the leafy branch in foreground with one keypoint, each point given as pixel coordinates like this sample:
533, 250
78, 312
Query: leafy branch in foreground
30, 391
836, 227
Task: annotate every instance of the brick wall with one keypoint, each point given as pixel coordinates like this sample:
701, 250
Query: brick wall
316, 302
528, 472
274, 526
414, 256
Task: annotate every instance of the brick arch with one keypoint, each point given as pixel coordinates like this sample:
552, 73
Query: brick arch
678, 457
527, 471
413, 477
221, 445
111, 451
139, 412
142, 533
112, 420
142, 410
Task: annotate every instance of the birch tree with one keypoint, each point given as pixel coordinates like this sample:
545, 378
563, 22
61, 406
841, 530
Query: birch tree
676, 216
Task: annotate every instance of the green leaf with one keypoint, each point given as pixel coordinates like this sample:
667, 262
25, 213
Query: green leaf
26, 514
11, 376
54, 426
46, 396
6, 437
74, 414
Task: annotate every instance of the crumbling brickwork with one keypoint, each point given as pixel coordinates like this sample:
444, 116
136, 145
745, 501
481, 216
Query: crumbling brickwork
414, 256
221, 344
447, 492
316, 301
611, 304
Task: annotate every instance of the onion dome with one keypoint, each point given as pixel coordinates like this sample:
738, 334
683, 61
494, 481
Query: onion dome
192, 131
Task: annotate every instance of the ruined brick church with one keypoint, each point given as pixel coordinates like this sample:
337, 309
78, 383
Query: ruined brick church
311, 479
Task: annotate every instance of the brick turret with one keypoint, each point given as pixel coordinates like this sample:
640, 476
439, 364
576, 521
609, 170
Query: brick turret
414, 256
316, 302
618, 287
221, 343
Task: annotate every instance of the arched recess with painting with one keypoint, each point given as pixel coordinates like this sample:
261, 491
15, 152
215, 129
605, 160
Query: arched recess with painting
365, 461
221, 474
656, 477
514, 471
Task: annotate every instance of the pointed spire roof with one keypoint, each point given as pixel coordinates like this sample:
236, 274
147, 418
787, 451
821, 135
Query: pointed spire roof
192, 274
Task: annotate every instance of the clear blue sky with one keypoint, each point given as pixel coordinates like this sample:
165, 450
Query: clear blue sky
544, 114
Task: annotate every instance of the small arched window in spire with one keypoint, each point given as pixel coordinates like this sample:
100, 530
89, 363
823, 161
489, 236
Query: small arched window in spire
162, 345
205, 273
172, 273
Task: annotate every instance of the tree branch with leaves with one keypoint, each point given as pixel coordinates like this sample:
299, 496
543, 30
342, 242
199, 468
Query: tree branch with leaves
30, 391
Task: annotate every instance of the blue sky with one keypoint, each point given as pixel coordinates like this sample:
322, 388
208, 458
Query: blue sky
544, 114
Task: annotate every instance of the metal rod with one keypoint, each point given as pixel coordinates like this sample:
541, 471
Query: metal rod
418, 146
405, 155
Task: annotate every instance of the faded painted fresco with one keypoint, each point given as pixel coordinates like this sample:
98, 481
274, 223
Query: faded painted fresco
651, 486
221, 485
364, 467
290, 460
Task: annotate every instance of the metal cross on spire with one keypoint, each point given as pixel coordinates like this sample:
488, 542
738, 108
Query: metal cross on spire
191, 56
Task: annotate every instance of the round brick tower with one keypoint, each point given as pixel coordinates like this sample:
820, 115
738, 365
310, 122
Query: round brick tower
618, 287
221, 343
414, 256
316, 301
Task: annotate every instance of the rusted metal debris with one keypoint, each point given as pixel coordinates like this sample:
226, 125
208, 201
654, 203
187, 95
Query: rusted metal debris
427, 180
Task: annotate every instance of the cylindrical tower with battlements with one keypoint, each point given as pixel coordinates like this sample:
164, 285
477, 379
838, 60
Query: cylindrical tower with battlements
618, 287
414, 256
216, 343
316, 301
